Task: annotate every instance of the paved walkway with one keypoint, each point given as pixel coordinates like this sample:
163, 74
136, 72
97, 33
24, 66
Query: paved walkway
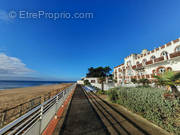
88, 114
81, 118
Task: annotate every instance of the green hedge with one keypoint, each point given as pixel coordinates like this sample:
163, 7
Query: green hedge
150, 103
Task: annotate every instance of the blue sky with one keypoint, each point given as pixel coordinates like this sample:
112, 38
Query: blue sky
64, 49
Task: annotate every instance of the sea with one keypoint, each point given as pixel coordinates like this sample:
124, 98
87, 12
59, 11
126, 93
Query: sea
21, 84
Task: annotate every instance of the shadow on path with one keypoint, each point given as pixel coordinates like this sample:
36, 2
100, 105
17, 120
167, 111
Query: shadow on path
81, 117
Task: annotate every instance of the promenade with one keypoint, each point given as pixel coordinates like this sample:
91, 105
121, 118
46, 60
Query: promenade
88, 114
81, 118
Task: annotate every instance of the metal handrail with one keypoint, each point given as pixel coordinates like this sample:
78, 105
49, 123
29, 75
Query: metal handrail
26, 121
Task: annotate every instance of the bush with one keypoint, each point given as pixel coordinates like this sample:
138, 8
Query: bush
86, 82
101, 92
150, 103
133, 80
113, 95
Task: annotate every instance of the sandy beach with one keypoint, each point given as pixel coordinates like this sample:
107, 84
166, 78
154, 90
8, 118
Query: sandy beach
13, 97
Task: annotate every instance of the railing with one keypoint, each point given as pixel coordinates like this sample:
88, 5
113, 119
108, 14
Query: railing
10, 114
139, 65
35, 121
13, 113
134, 67
159, 59
149, 62
175, 54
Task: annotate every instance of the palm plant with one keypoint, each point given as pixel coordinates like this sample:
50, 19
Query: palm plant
102, 80
169, 78
145, 82
133, 80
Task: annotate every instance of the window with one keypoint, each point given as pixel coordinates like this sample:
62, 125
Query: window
164, 53
129, 72
169, 69
129, 63
162, 70
144, 61
177, 49
93, 81
153, 57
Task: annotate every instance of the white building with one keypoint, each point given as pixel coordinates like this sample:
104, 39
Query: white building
149, 63
94, 81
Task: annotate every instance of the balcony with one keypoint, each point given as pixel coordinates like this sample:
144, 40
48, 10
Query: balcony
147, 76
175, 54
149, 62
159, 59
119, 70
138, 67
134, 67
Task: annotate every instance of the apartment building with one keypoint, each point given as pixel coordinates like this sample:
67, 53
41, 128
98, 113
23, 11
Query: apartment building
149, 63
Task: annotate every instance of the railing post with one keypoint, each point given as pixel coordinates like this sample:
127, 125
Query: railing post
41, 116
56, 103
64, 94
3, 119
42, 100
20, 110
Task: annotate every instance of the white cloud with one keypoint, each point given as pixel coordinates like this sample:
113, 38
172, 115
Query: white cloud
12, 66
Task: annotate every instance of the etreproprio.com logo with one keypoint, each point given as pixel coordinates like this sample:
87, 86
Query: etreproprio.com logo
49, 15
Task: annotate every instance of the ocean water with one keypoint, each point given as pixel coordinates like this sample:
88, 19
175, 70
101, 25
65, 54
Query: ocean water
20, 84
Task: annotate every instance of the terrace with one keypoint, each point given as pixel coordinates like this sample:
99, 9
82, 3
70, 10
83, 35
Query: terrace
175, 54
159, 59
149, 62
156, 60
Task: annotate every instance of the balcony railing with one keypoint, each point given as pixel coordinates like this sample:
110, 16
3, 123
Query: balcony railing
147, 76
134, 67
175, 54
119, 70
149, 62
159, 59
162, 58
139, 65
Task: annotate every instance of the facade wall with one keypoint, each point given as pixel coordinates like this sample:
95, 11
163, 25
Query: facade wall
149, 63
95, 82
92, 80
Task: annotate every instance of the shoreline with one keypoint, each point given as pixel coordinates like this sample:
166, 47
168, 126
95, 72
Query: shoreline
28, 86
11, 84
13, 97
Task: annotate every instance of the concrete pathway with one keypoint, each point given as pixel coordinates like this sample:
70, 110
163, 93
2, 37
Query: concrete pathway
81, 118
88, 114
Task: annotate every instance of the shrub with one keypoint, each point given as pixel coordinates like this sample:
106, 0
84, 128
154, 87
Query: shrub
101, 92
145, 82
133, 80
86, 82
113, 95
151, 104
